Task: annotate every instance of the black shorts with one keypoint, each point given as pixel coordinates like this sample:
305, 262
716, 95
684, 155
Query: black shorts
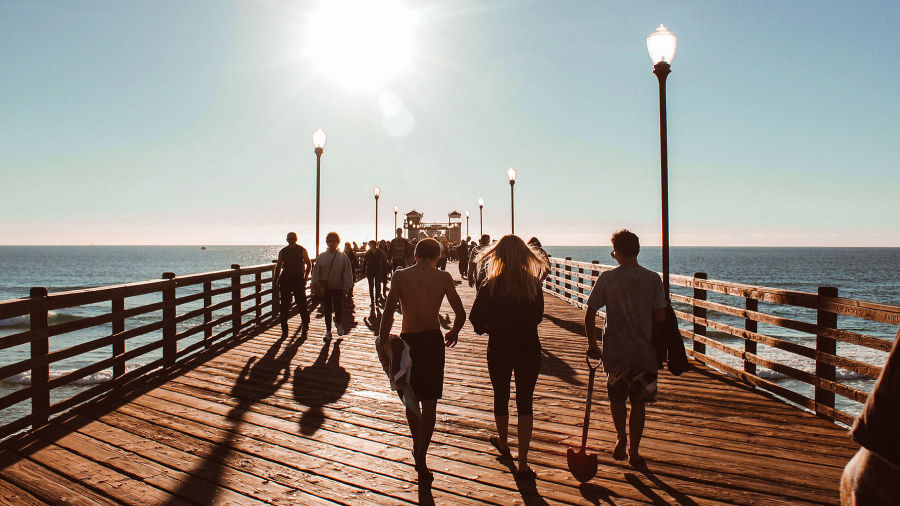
637, 386
426, 351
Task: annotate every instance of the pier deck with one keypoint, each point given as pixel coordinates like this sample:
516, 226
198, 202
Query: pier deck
302, 422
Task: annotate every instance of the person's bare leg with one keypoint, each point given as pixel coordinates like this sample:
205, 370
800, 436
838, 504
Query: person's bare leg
413, 421
502, 422
619, 414
636, 428
426, 430
526, 422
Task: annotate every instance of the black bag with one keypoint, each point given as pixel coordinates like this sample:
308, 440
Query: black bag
668, 344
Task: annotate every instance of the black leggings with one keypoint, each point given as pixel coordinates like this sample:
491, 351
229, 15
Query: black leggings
374, 289
527, 365
332, 300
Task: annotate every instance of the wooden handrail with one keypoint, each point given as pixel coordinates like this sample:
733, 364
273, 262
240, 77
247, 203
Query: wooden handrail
566, 274
246, 303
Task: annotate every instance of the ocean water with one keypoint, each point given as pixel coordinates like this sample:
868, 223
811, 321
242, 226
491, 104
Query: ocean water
864, 273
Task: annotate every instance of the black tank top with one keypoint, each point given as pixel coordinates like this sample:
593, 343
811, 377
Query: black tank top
291, 257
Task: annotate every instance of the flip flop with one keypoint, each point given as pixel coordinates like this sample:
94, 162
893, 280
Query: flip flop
495, 440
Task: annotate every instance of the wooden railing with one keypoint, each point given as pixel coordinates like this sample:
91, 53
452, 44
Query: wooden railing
240, 308
573, 281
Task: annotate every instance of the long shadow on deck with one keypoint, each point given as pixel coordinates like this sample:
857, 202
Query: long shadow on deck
259, 379
321, 383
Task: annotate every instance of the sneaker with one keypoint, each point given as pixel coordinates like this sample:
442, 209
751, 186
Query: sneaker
327, 336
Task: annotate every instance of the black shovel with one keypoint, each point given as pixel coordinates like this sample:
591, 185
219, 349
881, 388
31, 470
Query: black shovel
583, 466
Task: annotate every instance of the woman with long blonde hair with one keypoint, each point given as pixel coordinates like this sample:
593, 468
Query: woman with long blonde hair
509, 307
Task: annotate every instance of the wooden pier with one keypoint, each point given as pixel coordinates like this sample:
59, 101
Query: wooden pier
260, 419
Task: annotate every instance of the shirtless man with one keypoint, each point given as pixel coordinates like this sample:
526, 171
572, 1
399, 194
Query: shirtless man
420, 289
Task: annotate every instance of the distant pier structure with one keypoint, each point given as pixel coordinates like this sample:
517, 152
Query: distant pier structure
417, 229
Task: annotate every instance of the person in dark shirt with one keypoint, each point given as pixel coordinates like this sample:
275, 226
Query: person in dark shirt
462, 254
868, 476
374, 265
509, 308
399, 248
291, 272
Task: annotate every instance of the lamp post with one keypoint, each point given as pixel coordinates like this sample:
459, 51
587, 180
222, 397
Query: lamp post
661, 44
511, 174
480, 217
467, 224
377, 192
319, 139
395, 217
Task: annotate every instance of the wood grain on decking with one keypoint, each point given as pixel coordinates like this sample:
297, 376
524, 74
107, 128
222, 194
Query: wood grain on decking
294, 421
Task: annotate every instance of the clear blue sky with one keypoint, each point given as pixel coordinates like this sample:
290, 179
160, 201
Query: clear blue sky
171, 122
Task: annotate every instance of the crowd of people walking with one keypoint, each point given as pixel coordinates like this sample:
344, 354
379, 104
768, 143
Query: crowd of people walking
508, 275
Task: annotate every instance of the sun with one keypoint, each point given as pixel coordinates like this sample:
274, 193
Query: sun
361, 44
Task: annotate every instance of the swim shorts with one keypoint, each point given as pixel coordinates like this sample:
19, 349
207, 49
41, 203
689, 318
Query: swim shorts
637, 386
426, 350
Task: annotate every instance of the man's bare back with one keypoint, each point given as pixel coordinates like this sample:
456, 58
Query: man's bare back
420, 290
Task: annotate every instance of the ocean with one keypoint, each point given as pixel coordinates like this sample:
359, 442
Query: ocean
864, 273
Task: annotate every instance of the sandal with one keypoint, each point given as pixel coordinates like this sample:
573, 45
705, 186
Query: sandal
495, 440
526, 474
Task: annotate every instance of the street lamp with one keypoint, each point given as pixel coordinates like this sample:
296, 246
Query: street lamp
480, 217
395, 217
511, 174
318, 138
377, 192
661, 44
467, 224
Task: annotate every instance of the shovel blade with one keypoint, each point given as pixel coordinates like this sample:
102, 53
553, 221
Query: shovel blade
582, 465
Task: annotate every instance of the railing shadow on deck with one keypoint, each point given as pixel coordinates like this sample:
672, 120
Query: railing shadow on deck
24, 444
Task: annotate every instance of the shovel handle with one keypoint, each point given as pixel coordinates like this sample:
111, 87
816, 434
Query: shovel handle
587, 404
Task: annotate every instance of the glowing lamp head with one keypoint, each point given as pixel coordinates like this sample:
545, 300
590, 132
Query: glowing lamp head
661, 44
467, 214
480, 202
396, 209
319, 138
376, 191
511, 174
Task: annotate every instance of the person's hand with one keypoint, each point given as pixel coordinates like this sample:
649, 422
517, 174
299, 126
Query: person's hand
593, 351
451, 338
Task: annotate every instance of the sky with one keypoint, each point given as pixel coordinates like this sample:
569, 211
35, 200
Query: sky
167, 122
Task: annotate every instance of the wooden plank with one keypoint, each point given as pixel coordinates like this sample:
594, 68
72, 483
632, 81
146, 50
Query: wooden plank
46, 485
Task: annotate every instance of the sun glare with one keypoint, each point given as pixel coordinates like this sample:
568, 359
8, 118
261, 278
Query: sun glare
361, 43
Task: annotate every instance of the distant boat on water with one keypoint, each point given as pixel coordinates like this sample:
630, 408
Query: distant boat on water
203, 248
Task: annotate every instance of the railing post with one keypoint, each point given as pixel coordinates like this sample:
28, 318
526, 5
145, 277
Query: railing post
40, 369
236, 299
275, 294
258, 287
568, 270
750, 326
170, 347
118, 326
581, 281
207, 313
825, 345
699, 312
